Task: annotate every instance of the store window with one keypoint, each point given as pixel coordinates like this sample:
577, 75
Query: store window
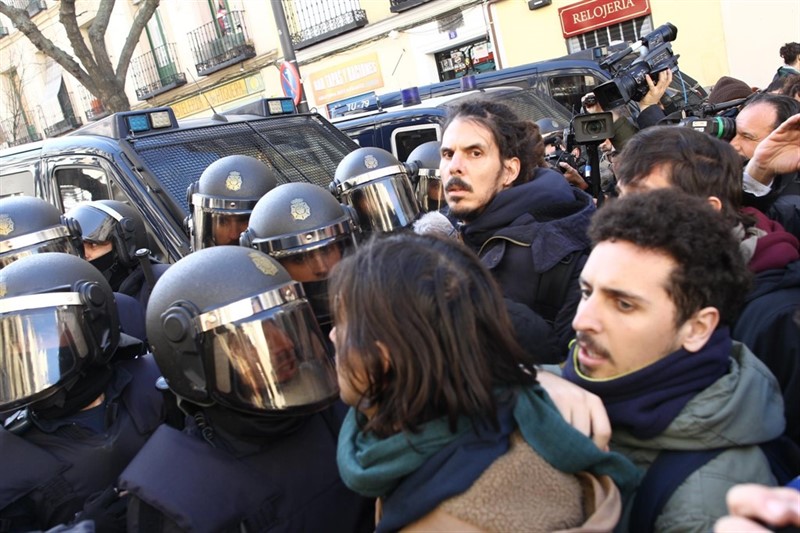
628, 31
466, 59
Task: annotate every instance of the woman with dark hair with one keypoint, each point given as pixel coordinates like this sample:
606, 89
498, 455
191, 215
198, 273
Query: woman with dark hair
790, 52
447, 426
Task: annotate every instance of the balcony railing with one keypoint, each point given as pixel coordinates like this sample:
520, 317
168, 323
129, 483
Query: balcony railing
313, 21
31, 6
221, 43
398, 6
96, 110
69, 123
157, 72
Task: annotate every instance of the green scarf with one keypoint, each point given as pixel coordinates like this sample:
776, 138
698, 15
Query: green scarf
375, 467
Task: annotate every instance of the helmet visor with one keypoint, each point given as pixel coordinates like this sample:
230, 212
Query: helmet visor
315, 264
62, 244
384, 204
96, 226
218, 228
272, 361
39, 347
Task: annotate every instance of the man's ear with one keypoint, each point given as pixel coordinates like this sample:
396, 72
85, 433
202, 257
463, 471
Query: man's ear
715, 202
696, 331
510, 171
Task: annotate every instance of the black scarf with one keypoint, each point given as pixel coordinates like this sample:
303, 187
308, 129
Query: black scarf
645, 402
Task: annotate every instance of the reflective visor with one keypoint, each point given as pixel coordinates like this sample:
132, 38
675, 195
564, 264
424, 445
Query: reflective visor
39, 346
62, 244
274, 360
385, 205
96, 226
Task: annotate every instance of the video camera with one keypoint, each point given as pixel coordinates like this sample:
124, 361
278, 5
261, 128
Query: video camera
655, 55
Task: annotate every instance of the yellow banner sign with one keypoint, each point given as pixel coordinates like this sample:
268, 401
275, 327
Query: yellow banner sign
357, 76
219, 95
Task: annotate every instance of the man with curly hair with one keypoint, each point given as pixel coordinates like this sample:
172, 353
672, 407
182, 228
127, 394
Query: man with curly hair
524, 220
659, 292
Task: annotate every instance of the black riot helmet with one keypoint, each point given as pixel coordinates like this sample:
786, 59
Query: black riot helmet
374, 183
308, 231
550, 128
30, 226
112, 221
221, 201
228, 326
426, 158
58, 321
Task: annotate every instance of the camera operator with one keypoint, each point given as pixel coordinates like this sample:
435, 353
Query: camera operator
623, 127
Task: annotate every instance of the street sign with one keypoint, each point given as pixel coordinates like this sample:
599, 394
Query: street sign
290, 81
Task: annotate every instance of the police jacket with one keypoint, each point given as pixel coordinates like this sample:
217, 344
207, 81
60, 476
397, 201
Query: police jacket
50, 468
533, 239
286, 483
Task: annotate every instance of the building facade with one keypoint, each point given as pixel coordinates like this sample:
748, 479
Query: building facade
201, 56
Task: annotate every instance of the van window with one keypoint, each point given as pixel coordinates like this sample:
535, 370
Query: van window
17, 183
569, 89
76, 185
404, 140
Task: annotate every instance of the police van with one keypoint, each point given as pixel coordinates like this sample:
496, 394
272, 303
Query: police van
401, 129
401, 120
148, 159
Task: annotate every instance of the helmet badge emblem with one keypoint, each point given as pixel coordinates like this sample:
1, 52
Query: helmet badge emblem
6, 225
264, 264
234, 181
370, 161
300, 209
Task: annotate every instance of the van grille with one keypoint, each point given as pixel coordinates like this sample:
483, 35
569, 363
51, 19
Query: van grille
300, 148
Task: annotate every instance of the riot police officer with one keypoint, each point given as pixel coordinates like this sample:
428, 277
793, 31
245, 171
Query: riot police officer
221, 201
246, 359
308, 232
114, 237
30, 226
72, 418
374, 183
425, 160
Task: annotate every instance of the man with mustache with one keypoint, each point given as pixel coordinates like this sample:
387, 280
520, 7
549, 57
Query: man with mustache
659, 292
522, 218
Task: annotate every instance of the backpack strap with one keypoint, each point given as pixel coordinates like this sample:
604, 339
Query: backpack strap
665, 475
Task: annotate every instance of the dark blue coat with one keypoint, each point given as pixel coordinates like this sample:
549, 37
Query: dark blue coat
769, 326
533, 239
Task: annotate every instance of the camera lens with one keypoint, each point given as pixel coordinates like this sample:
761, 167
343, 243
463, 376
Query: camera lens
593, 127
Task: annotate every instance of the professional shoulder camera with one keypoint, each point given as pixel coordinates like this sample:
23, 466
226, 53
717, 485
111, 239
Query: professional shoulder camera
629, 83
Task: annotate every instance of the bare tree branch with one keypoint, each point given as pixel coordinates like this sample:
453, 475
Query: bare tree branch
68, 19
21, 21
145, 13
97, 32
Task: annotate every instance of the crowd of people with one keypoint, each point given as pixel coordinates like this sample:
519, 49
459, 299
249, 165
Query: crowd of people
467, 341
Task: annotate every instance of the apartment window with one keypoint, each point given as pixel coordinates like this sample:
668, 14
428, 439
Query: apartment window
628, 31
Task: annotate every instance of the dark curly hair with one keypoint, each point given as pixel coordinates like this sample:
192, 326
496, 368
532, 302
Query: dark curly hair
694, 162
439, 312
710, 268
784, 106
789, 52
514, 137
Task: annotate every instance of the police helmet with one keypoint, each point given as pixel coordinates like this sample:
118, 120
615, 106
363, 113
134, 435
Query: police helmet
308, 232
115, 222
221, 201
248, 341
30, 226
374, 183
57, 318
426, 158
550, 128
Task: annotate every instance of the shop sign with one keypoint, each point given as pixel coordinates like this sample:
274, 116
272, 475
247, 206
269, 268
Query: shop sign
357, 76
589, 15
